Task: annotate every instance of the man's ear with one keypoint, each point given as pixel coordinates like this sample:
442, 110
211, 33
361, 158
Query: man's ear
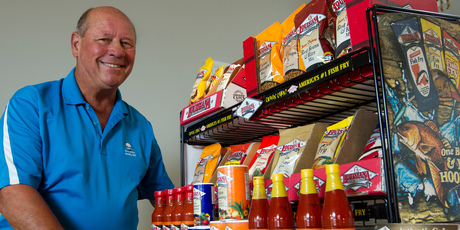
75, 43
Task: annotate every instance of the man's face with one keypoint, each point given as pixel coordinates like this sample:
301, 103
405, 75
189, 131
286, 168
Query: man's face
105, 54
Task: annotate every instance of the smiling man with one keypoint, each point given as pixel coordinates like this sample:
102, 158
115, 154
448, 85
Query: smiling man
74, 155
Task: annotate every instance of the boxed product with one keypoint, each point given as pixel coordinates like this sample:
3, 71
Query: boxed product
357, 19
234, 93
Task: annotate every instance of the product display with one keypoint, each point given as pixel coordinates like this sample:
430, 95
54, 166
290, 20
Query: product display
315, 43
309, 209
157, 215
207, 164
337, 213
203, 203
258, 214
280, 214
176, 213
292, 63
167, 214
234, 194
270, 62
188, 210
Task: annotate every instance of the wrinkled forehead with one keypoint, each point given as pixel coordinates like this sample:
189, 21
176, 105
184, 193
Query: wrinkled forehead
106, 18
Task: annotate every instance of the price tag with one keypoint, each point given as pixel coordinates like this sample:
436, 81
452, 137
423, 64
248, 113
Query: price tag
248, 107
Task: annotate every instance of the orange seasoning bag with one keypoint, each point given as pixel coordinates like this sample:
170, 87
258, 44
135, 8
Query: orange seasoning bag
199, 88
237, 154
292, 63
312, 28
270, 63
207, 164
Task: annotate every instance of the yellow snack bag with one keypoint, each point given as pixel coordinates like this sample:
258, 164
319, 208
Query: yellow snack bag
213, 79
203, 74
270, 62
209, 158
331, 142
290, 50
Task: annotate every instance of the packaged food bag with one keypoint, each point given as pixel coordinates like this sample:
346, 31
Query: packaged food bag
237, 154
312, 28
213, 79
330, 143
198, 91
264, 155
341, 28
207, 164
373, 146
270, 62
292, 63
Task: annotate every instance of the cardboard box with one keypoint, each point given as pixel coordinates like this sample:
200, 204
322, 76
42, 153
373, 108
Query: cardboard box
357, 17
226, 98
360, 178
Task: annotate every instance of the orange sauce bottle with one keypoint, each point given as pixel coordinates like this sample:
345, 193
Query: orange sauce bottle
167, 214
176, 213
187, 211
337, 213
280, 214
157, 215
309, 208
258, 214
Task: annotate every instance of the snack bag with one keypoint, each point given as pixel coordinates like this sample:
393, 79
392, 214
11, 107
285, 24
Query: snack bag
330, 143
213, 79
270, 63
290, 147
264, 155
292, 63
209, 158
198, 91
433, 45
341, 29
311, 24
227, 76
373, 146
237, 154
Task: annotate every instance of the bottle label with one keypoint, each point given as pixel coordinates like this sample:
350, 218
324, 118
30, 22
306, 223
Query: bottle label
310, 229
336, 228
156, 227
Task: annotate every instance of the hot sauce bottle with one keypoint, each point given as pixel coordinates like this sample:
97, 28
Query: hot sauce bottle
309, 208
187, 211
176, 214
337, 213
258, 215
167, 214
280, 214
157, 215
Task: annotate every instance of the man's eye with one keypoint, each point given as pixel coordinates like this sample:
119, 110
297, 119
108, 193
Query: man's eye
127, 44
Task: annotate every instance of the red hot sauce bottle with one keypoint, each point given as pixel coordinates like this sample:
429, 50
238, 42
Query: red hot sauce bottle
167, 214
309, 208
157, 215
258, 214
176, 213
187, 211
280, 214
337, 213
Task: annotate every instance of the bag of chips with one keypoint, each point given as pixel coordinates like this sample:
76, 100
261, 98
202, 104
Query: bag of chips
202, 76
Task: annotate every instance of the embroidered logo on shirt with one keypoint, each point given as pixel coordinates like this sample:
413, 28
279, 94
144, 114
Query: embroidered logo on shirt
129, 150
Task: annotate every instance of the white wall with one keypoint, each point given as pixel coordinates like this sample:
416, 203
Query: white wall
174, 39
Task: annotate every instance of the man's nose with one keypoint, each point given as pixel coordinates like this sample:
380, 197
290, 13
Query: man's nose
116, 49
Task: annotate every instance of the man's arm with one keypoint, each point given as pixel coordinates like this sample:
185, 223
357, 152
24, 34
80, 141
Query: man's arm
24, 208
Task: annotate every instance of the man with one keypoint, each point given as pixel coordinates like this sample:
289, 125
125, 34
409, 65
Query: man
73, 154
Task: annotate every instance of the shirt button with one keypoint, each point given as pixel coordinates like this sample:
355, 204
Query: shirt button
95, 122
87, 106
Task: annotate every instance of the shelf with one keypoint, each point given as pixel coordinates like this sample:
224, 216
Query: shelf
327, 94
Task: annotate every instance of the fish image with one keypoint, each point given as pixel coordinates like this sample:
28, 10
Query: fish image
424, 140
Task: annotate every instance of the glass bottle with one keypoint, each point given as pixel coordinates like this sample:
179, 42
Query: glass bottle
168, 209
157, 215
309, 207
187, 211
337, 213
258, 214
280, 214
176, 213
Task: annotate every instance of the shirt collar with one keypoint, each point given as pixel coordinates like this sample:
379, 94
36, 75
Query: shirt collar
72, 94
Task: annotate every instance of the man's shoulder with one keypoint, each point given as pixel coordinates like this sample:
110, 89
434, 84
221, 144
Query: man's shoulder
39, 89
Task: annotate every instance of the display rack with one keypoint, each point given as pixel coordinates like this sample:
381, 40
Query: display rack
327, 94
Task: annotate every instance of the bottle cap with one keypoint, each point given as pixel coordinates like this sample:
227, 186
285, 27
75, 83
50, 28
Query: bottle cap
306, 173
188, 187
332, 168
278, 177
258, 180
159, 193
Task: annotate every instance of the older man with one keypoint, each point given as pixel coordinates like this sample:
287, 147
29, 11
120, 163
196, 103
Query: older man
74, 155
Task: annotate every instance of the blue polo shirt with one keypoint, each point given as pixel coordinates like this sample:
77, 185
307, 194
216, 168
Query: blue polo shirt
52, 140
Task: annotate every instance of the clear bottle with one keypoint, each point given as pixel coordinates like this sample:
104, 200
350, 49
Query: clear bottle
188, 211
176, 213
309, 207
337, 213
280, 214
258, 214
157, 215
167, 214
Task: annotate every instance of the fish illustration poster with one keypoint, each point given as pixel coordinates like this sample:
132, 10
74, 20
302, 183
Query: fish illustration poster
420, 62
